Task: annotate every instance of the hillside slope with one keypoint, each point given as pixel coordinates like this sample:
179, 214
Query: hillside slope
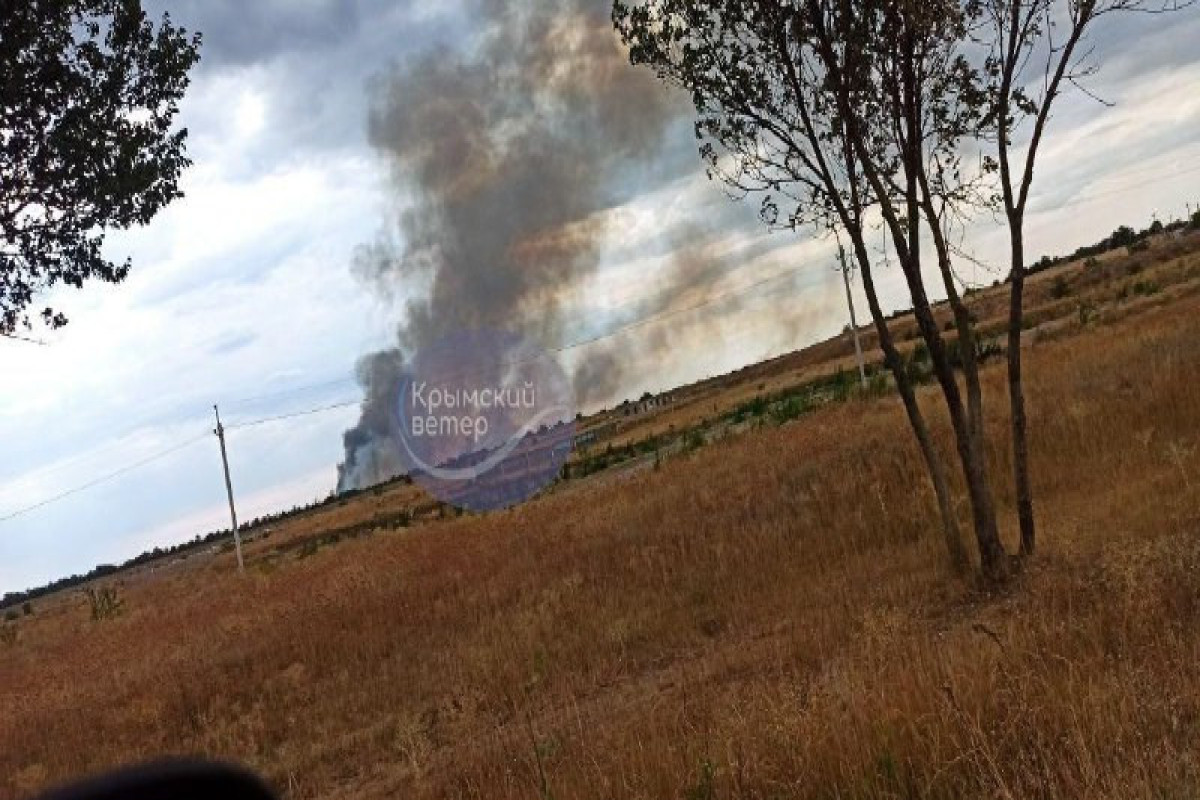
767, 616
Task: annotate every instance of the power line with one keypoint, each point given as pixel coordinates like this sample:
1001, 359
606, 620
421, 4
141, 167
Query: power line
293, 415
289, 392
104, 479
18, 338
1115, 190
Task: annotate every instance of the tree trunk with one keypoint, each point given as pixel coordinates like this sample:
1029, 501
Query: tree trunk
959, 559
992, 556
1016, 392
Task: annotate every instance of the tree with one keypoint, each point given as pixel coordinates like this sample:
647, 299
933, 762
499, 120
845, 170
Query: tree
89, 90
1017, 34
1123, 236
837, 115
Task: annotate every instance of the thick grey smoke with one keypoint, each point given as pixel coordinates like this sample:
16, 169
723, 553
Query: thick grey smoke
503, 161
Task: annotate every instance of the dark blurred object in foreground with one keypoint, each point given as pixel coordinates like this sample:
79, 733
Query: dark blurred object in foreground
169, 780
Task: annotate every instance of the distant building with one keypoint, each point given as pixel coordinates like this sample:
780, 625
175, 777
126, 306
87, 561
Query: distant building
648, 403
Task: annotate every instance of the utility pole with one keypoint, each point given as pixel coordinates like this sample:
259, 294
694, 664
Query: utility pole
858, 353
237, 537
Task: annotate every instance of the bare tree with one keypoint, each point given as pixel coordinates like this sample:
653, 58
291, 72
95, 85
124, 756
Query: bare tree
1035, 48
907, 96
838, 116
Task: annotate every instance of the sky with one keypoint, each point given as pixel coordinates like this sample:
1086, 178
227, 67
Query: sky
244, 293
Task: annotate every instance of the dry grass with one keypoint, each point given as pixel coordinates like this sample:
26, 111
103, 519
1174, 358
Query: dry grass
767, 617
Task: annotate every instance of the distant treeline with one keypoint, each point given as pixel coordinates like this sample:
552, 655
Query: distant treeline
16, 599
1123, 236
13, 599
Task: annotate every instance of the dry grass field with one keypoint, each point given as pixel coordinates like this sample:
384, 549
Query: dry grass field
766, 617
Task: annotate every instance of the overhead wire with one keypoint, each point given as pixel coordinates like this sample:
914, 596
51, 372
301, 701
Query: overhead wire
104, 478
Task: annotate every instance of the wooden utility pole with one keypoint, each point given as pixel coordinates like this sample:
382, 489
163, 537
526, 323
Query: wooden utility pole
237, 537
858, 353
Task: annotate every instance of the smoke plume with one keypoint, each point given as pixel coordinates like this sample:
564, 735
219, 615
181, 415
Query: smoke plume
503, 160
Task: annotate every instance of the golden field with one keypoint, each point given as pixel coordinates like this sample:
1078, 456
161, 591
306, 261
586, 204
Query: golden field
769, 616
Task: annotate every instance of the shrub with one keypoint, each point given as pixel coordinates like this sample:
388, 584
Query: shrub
792, 408
1087, 312
12, 615
842, 385
1123, 236
920, 353
649, 445
1140, 246
753, 408
8, 634
1146, 288
986, 349
704, 788
1060, 288
104, 602
877, 385
27, 608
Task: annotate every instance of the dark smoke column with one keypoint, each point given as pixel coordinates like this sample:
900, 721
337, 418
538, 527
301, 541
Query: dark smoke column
502, 159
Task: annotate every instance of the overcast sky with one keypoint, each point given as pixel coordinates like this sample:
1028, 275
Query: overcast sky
243, 293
